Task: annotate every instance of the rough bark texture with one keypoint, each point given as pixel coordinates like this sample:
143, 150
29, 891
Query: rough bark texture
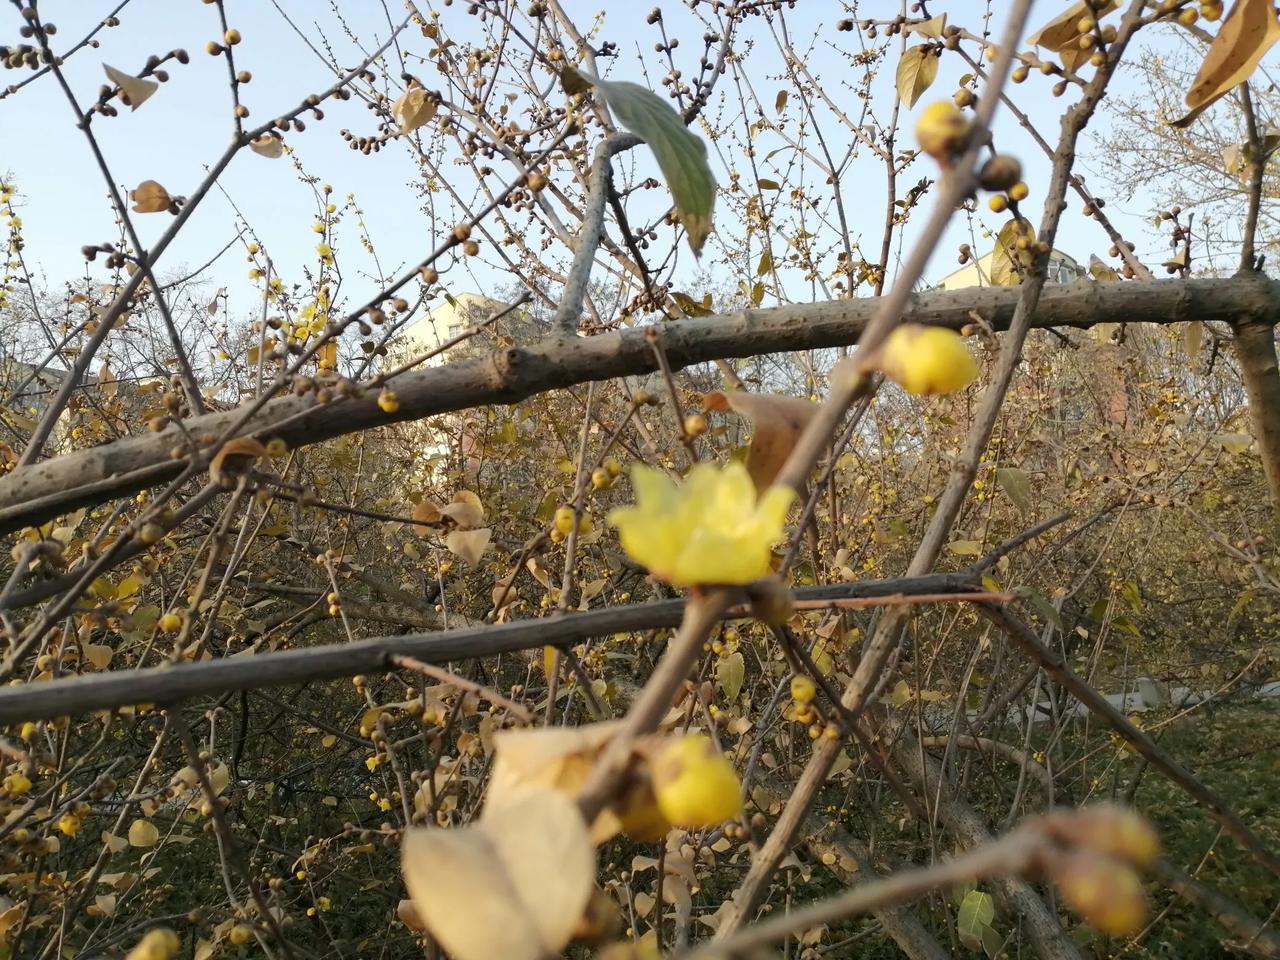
1256, 352
170, 684
44, 490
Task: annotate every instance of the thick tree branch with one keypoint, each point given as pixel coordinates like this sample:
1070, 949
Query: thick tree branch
42, 491
170, 684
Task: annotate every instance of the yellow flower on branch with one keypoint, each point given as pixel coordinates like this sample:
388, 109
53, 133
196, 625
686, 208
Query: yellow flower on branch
925, 360
695, 785
710, 528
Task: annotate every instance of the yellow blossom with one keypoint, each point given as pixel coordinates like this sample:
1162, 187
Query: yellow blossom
325, 251
695, 785
1106, 894
711, 528
17, 784
925, 360
158, 944
69, 824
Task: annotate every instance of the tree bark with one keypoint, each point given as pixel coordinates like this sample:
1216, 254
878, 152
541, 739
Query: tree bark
42, 491
1256, 352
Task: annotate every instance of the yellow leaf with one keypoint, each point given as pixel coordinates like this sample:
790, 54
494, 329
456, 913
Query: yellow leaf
113, 843
465, 510
143, 833
1063, 31
1234, 442
932, 28
470, 545
268, 145
150, 197
106, 903
514, 885
965, 548
1250, 30
1192, 338
917, 70
1014, 252
98, 654
428, 515
134, 90
413, 108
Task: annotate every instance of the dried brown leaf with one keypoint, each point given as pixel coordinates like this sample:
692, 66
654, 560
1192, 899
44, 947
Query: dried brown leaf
777, 422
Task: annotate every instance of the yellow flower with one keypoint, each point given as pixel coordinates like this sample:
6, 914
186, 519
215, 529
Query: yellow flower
803, 689
69, 824
942, 130
17, 784
695, 785
1107, 895
240, 934
925, 360
159, 944
709, 529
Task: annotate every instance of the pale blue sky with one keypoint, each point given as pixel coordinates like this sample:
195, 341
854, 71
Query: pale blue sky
187, 123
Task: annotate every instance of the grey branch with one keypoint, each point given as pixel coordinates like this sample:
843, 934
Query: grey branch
42, 491
170, 684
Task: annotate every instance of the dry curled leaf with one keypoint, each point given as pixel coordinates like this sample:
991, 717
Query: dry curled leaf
268, 145
426, 515
933, 28
777, 422
514, 885
470, 545
1062, 33
1250, 30
133, 90
465, 510
150, 197
235, 457
414, 108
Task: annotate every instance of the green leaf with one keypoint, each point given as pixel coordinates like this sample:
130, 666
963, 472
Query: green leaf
729, 675
1132, 595
974, 917
917, 70
681, 154
1048, 612
1017, 486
